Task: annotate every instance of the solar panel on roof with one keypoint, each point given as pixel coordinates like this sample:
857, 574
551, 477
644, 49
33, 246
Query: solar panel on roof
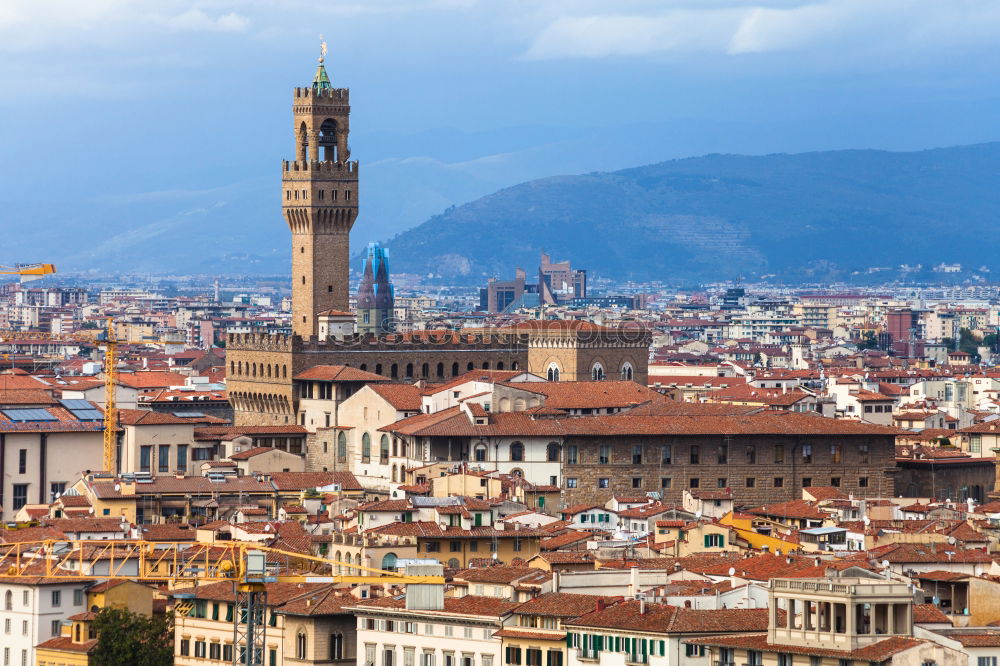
22, 415
87, 414
76, 404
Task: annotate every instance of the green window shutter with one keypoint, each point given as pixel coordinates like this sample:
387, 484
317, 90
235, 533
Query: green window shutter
708, 541
663, 648
618, 644
569, 640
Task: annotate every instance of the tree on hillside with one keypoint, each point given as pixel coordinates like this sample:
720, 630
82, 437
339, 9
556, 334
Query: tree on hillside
124, 637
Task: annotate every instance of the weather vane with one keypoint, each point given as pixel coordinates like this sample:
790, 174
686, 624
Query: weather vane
322, 49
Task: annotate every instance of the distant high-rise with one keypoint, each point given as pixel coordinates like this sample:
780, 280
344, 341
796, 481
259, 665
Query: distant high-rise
376, 299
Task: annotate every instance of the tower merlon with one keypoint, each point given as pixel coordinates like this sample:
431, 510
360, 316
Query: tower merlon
308, 168
338, 95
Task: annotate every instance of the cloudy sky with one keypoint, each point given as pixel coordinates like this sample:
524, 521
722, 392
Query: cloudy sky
106, 101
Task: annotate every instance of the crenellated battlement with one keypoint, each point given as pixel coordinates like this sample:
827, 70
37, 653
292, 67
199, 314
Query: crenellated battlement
304, 169
272, 342
334, 95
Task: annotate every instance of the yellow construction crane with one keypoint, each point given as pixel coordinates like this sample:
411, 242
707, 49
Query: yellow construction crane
245, 564
29, 272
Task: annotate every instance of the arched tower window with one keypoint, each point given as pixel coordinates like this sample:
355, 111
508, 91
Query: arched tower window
627, 372
425, 370
597, 372
454, 369
300, 645
409, 370
328, 140
383, 450
552, 374
366, 448
440, 369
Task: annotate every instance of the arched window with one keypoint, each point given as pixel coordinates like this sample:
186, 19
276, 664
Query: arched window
513, 365
552, 452
453, 563
519, 473
254, 369
232, 368
486, 365
505, 404
597, 372
378, 368
394, 371
454, 369
300, 645
394, 474
8, 600
78, 634
470, 367
342, 446
389, 562
383, 450
440, 370
519, 404
284, 372
552, 374
425, 370
268, 371
517, 451
366, 448
627, 372
409, 370
364, 367
337, 646
480, 452
499, 365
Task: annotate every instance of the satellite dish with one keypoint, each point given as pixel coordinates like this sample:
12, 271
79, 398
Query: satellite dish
117, 487
951, 540
267, 528
732, 571
494, 555
866, 520
885, 564
697, 515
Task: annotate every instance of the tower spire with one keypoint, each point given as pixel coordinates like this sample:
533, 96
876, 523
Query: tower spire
321, 81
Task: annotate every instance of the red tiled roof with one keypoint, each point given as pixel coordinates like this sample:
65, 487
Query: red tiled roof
339, 373
875, 652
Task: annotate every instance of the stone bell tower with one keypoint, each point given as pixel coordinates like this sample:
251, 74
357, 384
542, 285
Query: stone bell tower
320, 201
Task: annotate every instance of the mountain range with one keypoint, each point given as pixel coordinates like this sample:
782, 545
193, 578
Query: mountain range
808, 217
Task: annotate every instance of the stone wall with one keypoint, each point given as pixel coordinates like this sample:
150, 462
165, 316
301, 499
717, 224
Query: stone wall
772, 481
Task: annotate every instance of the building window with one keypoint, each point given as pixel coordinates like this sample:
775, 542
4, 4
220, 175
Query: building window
751, 482
227, 653
185, 647
516, 452
627, 372
779, 482
20, 496
722, 456
975, 443
145, 454
666, 454
164, 458
300, 646
636, 482
695, 454
835, 456
199, 649
779, 453
665, 482
383, 450
552, 452
182, 458
22, 461
214, 651
572, 454
863, 453
597, 372
366, 448
604, 455
56, 598
862, 482
721, 482
77, 597
603, 482
571, 483
807, 453
751, 455
480, 453
552, 374
637, 454
807, 482
694, 482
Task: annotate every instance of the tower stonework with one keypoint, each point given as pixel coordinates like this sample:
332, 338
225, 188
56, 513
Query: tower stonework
320, 201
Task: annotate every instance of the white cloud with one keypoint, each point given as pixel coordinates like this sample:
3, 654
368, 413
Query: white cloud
196, 19
736, 28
